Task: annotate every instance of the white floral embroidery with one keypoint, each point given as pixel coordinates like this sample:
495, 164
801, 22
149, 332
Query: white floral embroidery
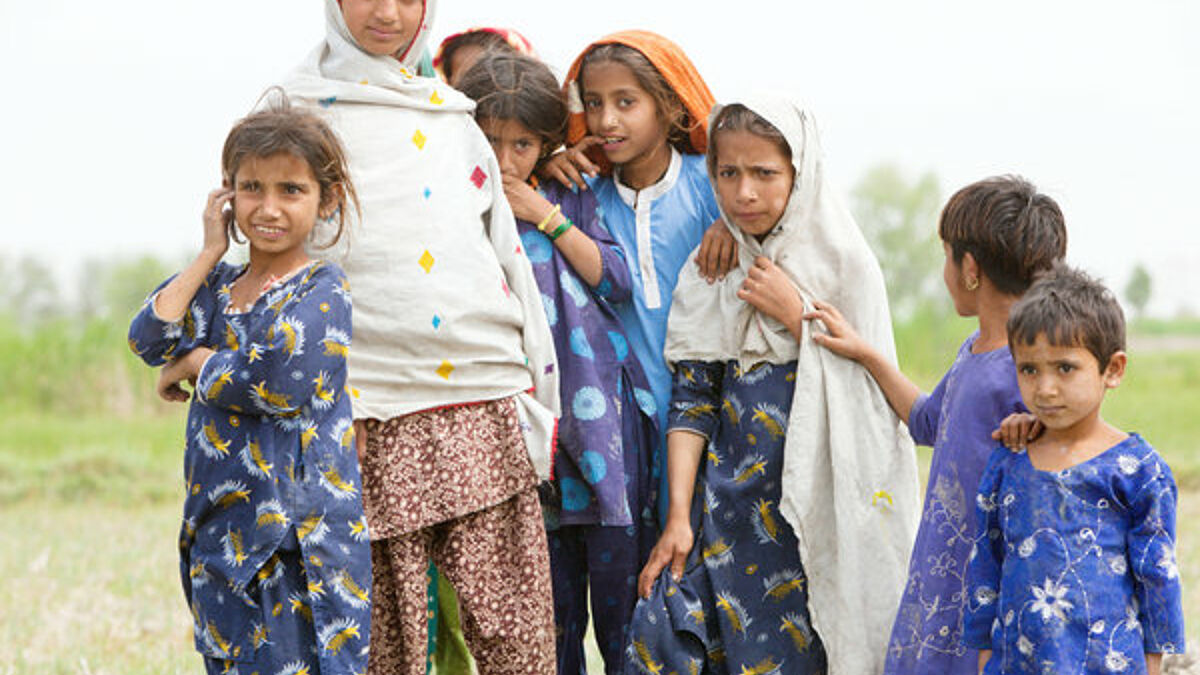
1027, 547
1098, 627
1128, 464
1024, 646
1050, 602
1118, 564
1116, 661
1166, 563
985, 596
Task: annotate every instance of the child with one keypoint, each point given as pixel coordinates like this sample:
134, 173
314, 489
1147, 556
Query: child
997, 234
453, 357
460, 51
601, 519
1074, 563
786, 462
644, 106
274, 553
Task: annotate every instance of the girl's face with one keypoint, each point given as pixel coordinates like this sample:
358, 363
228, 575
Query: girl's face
623, 114
753, 182
383, 27
276, 203
516, 147
1064, 385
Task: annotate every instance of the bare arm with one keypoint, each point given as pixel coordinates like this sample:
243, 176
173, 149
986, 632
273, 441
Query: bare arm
578, 248
684, 449
173, 300
841, 339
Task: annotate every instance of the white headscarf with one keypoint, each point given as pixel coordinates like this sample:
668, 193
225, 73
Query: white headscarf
446, 308
850, 485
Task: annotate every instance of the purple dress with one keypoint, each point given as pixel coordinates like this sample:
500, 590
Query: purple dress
957, 419
602, 475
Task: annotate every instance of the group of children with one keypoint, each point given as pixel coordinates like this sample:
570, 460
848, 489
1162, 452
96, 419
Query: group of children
546, 403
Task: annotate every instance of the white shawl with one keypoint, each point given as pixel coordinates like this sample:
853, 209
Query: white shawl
446, 308
850, 485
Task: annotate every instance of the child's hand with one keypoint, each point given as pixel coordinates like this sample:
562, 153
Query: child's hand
840, 337
526, 203
216, 221
1018, 429
718, 252
186, 367
672, 549
769, 290
568, 166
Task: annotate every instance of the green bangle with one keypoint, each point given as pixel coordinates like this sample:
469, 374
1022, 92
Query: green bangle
558, 231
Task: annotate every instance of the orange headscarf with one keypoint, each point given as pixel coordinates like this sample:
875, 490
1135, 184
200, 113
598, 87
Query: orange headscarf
675, 67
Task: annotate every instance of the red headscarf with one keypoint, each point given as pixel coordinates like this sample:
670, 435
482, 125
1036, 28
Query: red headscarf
675, 67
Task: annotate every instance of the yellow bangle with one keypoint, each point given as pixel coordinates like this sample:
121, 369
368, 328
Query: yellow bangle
549, 216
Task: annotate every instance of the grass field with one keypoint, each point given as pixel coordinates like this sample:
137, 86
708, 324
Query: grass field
90, 482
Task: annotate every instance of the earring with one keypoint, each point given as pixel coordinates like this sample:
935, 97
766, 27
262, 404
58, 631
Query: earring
972, 283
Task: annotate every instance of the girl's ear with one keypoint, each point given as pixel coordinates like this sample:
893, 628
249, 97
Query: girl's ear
1115, 370
333, 200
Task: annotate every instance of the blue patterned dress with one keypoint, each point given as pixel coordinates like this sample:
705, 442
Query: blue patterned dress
1074, 571
742, 603
957, 420
274, 550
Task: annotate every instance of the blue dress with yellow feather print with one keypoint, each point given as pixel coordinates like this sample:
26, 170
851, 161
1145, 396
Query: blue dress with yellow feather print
741, 606
274, 550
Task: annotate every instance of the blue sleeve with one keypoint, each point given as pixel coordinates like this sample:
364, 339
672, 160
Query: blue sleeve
696, 397
1151, 551
156, 341
616, 283
298, 359
986, 561
926, 414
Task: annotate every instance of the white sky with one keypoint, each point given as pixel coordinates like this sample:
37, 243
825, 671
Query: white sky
114, 113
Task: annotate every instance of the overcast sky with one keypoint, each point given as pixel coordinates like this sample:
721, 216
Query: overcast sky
115, 112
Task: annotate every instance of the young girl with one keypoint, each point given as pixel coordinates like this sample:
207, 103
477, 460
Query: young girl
458, 52
644, 109
793, 486
1074, 565
997, 234
600, 519
274, 552
453, 357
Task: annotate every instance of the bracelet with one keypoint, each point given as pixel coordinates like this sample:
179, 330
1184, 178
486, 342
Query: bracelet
549, 216
558, 231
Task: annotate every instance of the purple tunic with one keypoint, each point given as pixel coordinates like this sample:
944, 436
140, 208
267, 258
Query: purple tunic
957, 419
603, 473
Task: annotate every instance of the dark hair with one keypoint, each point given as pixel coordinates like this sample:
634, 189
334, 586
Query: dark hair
737, 117
670, 107
1070, 309
485, 39
282, 128
1011, 230
516, 87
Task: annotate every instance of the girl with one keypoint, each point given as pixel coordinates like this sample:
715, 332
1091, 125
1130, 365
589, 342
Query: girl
460, 51
997, 234
793, 487
1074, 566
600, 519
644, 108
274, 553
453, 358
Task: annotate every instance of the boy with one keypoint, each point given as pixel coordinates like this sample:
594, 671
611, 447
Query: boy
1074, 564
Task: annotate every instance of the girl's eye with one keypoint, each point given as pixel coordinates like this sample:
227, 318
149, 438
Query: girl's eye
591, 104
524, 144
726, 172
248, 187
293, 189
1026, 370
1066, 368
626, 102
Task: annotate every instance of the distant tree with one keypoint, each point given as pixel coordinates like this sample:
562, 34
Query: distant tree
1138, 289
124, 284
31, 293
899, 219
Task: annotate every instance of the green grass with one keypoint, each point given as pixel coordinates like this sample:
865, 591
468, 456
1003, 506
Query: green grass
91, 490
